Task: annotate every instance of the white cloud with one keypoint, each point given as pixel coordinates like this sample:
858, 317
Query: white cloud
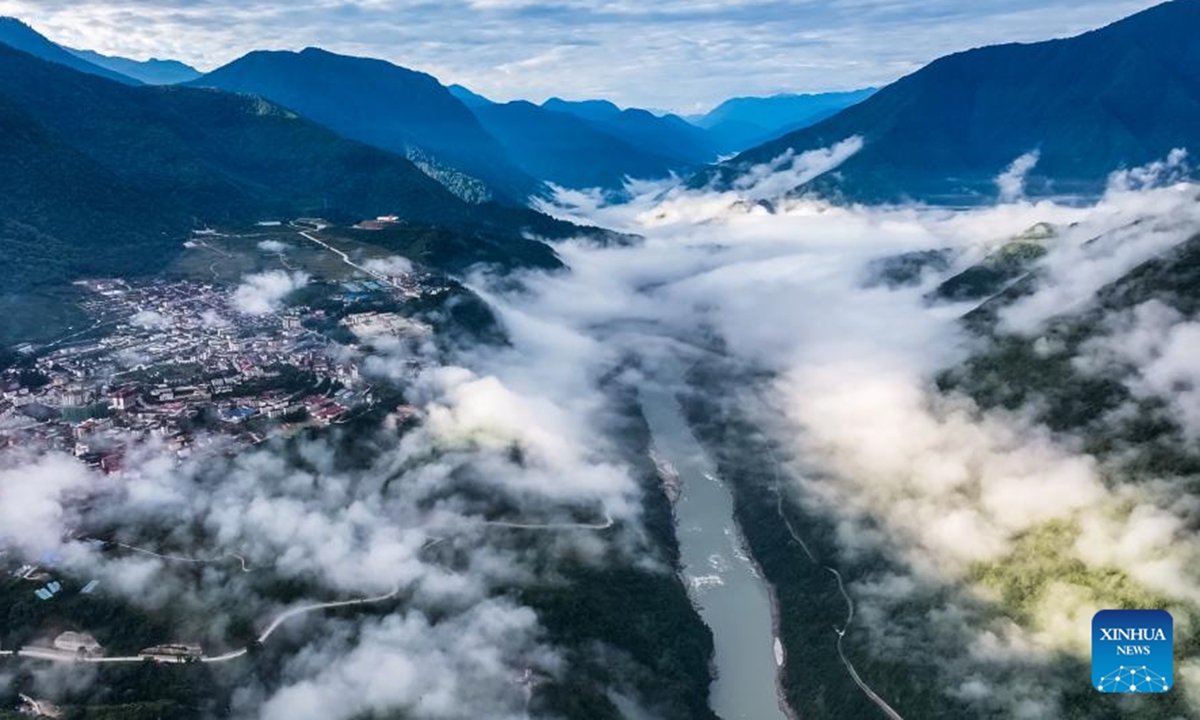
468, 666
1160, 345
150, 320
273, 246
925, 480
1122, 233
263, 293
35, 495
213, 319
391, 266
1174, 168
678, 54
789, 171
1011, 182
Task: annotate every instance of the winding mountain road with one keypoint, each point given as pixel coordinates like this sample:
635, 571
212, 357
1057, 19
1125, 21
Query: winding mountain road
64, 656
608, 523
56, 655
180, 558
841, 632
295, 612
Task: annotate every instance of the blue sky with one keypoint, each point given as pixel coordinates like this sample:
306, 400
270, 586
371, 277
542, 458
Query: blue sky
682, 55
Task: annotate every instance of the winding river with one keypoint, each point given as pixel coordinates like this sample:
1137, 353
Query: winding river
732, 598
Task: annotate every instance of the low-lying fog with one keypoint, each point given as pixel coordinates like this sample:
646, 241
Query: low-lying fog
921, 477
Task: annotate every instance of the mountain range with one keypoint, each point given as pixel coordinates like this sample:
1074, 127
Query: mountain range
668, 135
387, 106
107, 178
591, 143
569, 151
107, 173
1118, 97
150, 72
479, 149
595, 143
467, 96
18, 35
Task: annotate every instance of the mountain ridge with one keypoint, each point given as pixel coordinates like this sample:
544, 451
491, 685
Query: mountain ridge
569, 151
669, 135
385, 105
1119, 96
18, 35
740, 123
154, 71
106, 178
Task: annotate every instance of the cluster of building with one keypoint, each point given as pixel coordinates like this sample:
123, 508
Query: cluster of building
41, 577
33, 707
179, 362
176, 361
173, 653
378, 223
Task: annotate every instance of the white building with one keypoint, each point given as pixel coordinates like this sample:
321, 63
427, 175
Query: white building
78, 643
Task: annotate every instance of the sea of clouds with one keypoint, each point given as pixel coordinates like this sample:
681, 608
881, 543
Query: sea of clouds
902, 470
924, 478
414, 513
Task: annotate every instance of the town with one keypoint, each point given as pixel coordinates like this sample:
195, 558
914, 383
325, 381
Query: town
179, 361
186, 364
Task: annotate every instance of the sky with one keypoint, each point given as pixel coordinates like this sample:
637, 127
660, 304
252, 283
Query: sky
682, 55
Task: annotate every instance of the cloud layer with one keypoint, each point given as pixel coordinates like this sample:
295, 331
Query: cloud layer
949, 496
953, 497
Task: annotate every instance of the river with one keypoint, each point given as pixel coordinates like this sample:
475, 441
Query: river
733, 599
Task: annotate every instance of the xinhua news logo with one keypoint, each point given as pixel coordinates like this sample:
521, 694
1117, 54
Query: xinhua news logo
1132, 651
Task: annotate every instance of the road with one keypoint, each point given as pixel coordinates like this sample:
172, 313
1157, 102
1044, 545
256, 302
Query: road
55, 655
307, 235
180, 558
608, 522
201, 243
98, 323
62, 656
841, 632
295, 612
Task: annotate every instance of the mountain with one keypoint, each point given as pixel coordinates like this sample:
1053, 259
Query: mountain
17, 34
384, 105
468, 97
999, 269
669, 136
1121, 96
567, 150
102, 178
744, 122
62, 213
150, 72
1099, 404
591, 110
